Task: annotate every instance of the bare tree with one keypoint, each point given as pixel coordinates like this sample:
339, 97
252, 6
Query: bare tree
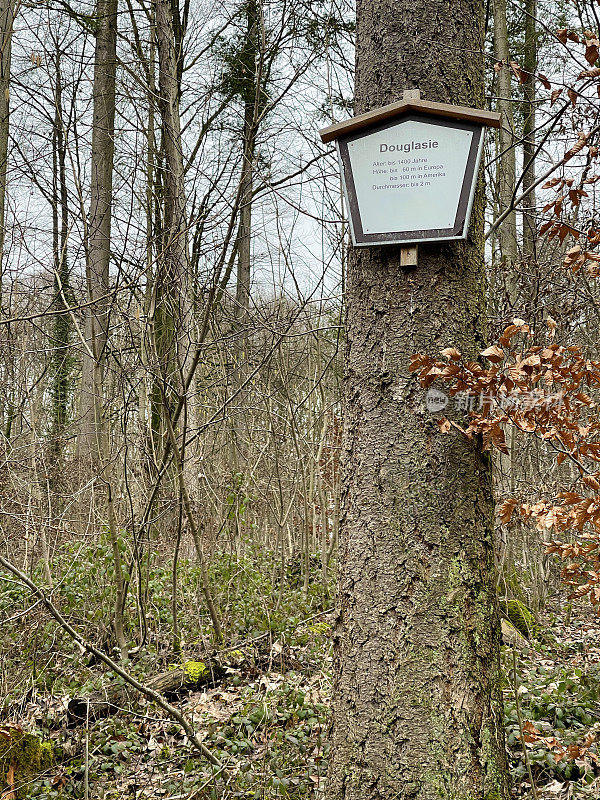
506, 170
98, 244
8, 11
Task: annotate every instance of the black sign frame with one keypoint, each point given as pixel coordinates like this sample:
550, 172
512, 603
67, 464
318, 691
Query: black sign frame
461, 223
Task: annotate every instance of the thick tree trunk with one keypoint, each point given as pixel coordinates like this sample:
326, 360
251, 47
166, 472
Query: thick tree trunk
416, 696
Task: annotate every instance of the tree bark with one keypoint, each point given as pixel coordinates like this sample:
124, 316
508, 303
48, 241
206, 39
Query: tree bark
8, 10
416, 709
172, 308
506, 168
530, 67
99, 225
250, 92
94, 436
61, 326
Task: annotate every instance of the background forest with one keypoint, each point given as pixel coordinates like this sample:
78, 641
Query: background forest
172, 260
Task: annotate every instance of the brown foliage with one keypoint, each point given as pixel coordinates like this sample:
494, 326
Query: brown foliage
551, 392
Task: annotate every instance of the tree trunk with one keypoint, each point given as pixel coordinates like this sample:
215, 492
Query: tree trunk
172, 308
250, 90
506, 168
99, 224
61, 326
7, 18
416, 710
94, 437
530, 67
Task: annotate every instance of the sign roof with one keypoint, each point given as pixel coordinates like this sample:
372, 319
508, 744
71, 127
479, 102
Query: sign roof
389, 112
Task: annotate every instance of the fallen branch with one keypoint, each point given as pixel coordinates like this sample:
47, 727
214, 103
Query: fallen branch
147, 691
112, 699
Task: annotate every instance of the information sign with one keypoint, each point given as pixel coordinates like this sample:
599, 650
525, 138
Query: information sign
409, 171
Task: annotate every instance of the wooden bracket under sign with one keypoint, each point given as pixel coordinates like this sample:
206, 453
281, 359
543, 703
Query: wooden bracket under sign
410, 253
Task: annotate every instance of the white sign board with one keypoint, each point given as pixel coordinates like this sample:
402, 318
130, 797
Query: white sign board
411, 180
411, 173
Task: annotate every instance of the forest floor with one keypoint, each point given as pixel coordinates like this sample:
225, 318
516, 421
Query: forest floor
266, 718
267, 715
552, 682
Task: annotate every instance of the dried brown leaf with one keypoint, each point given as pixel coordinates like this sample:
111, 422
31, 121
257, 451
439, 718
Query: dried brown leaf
451, 353
544, 80
589, 73
493, 354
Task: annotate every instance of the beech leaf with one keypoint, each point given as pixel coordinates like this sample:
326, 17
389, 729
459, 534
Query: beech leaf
452, 353
444, 425
589, 73
505, 511
544, 80
493, 353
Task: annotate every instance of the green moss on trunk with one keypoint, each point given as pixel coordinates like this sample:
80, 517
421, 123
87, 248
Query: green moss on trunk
26, 754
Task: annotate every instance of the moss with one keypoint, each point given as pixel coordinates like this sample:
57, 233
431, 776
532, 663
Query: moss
520, 617
234, 658
165, 752
195, 671
320, 628
25, 752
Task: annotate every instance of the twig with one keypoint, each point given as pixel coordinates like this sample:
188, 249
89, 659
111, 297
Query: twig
520, 720
151, 694
248, 642
536, 183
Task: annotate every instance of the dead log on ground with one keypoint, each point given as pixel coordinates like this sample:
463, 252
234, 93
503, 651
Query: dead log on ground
112, 699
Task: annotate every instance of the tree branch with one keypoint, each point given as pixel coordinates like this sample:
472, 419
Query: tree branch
151, 694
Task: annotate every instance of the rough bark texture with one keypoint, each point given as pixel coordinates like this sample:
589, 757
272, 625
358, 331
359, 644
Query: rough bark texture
416, 698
